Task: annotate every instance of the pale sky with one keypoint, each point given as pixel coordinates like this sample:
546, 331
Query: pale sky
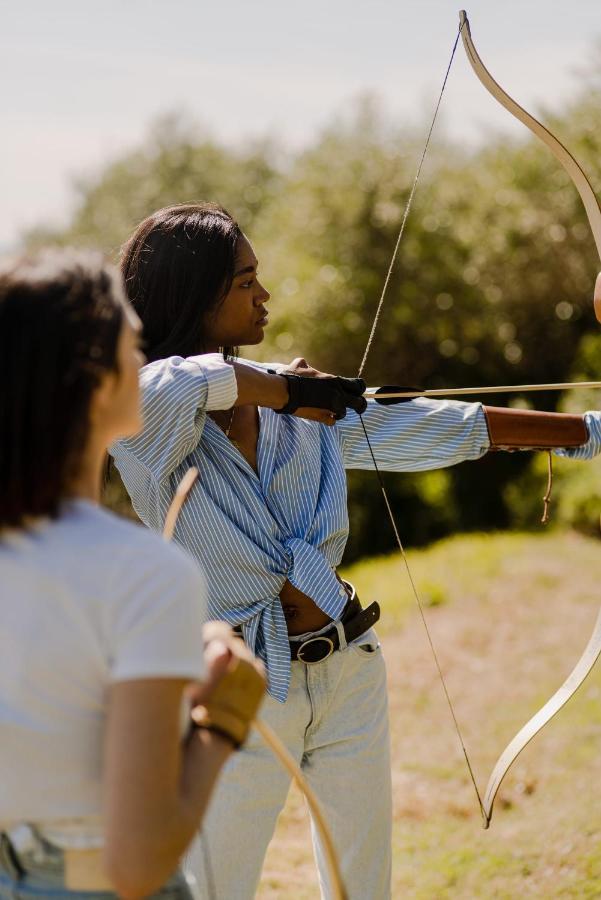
80, 81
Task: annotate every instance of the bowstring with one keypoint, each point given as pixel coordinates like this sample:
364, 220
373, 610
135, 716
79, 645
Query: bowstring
371, 451
407, 210
420, 606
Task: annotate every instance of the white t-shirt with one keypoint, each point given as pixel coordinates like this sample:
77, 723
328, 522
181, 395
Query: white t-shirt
86, 600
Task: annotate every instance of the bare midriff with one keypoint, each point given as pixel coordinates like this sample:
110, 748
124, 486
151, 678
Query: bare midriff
301, 612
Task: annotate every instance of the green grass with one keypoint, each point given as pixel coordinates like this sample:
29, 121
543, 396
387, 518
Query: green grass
509, 615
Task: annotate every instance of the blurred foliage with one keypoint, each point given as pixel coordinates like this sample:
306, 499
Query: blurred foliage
177, 164
492, 284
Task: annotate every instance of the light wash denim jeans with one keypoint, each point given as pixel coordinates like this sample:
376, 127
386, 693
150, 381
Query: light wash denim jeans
335, 724
44, 879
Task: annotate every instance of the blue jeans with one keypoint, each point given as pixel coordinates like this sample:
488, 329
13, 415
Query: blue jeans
43, 878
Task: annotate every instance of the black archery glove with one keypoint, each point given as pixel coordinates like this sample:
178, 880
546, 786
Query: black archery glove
336, 393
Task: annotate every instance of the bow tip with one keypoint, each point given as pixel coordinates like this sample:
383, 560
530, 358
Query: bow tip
462, 17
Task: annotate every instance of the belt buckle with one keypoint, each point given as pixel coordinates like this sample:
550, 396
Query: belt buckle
315, 640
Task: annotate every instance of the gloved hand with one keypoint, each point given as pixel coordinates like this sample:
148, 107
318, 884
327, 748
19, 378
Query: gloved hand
333, 392
233, 702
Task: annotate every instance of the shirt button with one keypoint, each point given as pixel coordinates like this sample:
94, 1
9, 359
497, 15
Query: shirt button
341, 591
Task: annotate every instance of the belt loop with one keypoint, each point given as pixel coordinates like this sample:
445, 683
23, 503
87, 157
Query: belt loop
341, 635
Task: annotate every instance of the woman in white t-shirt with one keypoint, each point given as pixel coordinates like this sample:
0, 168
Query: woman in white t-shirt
101, 640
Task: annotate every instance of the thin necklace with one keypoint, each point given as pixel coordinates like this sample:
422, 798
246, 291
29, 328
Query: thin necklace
228, 429
229, 424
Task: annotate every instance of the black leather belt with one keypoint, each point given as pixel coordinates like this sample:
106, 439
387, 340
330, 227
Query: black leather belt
355, 621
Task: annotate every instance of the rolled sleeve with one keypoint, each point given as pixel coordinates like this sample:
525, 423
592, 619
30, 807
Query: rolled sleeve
176, 395
592, 448
414, 436
220, 379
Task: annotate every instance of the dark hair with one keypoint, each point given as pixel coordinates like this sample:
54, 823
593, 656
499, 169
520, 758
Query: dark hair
61, 313
178, 266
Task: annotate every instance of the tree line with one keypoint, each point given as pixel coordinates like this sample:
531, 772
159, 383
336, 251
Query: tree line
492, 285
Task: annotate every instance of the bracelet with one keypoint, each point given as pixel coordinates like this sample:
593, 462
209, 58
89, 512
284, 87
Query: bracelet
220, 732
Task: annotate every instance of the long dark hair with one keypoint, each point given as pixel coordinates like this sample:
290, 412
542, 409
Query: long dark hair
178, 265
60, 318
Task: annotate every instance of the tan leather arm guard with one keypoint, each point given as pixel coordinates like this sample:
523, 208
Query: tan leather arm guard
234, 702
525, 429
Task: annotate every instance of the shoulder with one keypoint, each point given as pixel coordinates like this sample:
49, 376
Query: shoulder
171, 367
127, 548
263, 366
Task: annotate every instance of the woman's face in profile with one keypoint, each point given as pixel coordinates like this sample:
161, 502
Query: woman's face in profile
241, 317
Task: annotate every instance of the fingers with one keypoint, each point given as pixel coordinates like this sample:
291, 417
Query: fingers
241, 652
220, 640
222, 652
215, 630
218, 658
217, 654
324, 416
233, 703
300, 366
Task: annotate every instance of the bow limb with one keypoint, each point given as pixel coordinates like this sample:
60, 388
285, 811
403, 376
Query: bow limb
593, 211
561, 153
289, 763
540, 719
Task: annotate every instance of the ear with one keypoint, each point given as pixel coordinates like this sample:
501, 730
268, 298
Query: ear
103, 398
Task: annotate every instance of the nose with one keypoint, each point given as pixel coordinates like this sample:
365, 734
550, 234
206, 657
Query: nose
262, 295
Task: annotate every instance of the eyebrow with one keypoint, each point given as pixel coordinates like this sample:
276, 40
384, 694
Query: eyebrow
246, 271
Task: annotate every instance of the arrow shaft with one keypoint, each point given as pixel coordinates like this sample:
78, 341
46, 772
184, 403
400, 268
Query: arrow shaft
499, 389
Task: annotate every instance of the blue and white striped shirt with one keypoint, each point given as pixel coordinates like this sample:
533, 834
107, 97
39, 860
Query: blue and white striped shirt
252, 532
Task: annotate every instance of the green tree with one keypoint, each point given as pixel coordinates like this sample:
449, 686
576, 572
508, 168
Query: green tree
492, 284
176, 164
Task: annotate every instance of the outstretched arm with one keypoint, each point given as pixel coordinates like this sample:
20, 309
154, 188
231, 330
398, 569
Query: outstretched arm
414, 436
427, 434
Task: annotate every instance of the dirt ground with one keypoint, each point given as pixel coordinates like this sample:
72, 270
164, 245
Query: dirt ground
507, 633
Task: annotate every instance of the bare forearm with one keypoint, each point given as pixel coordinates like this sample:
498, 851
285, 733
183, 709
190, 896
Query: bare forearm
259, 388
204, 755
164, 844
520, 428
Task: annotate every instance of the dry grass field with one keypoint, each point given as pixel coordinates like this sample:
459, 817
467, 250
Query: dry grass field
510, 615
